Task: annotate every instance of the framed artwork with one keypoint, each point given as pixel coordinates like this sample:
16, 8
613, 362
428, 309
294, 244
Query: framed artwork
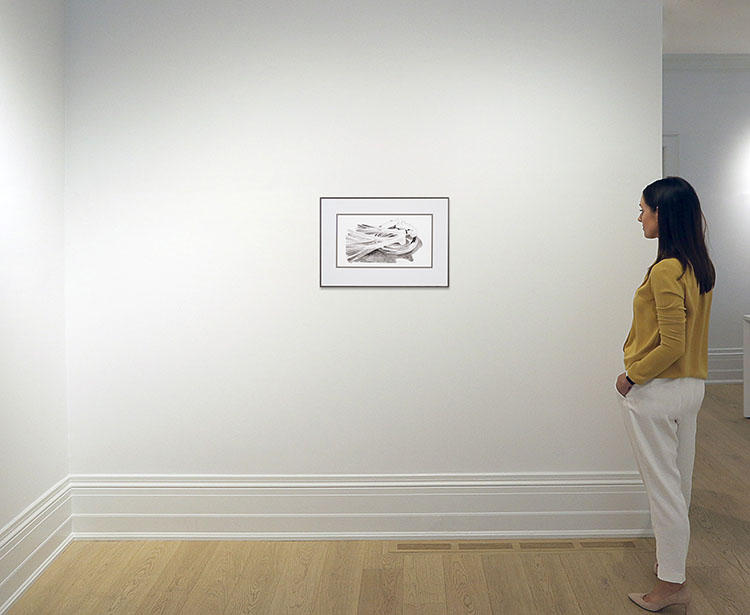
384, 241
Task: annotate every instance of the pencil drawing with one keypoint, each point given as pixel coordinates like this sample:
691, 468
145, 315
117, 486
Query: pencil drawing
385, 243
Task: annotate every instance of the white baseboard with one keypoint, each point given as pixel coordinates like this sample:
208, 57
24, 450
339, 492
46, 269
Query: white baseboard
359, 507
30, 542
706, 61
725, 365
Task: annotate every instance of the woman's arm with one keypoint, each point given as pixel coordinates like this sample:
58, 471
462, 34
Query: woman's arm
669, 295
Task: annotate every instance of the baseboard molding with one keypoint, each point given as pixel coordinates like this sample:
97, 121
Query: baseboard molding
32, 541
359, 507
706, 61
725, 365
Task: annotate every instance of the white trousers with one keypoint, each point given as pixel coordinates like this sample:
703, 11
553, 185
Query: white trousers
660, 418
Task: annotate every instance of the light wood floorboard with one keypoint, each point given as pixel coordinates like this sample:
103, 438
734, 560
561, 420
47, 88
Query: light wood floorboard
375, 578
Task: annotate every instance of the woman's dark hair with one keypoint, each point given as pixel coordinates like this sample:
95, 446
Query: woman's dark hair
682, 228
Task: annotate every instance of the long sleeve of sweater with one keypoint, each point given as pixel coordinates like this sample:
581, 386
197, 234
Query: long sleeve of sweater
669, 298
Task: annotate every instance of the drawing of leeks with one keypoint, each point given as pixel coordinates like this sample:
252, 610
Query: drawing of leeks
385, 243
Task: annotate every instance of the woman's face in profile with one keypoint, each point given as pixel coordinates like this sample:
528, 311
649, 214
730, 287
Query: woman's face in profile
650, 221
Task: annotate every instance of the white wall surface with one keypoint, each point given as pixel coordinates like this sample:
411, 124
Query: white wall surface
200, 138
33, 421
708, 109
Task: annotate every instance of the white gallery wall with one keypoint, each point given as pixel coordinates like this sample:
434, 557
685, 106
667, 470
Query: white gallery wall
200, 138
706, 103
35, 508
33, 421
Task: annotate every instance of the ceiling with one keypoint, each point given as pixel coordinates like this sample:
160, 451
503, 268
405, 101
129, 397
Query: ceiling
707, 26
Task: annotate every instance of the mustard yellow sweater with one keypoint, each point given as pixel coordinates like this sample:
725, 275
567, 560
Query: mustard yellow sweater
669, 334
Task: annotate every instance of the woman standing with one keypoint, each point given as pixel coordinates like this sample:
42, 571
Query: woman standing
666, 362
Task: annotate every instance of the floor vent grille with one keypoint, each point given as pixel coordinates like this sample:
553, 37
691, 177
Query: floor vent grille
522, 546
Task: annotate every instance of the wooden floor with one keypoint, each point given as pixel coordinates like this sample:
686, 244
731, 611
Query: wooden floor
380, 577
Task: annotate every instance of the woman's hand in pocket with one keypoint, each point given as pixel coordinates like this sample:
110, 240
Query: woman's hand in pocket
622, 385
